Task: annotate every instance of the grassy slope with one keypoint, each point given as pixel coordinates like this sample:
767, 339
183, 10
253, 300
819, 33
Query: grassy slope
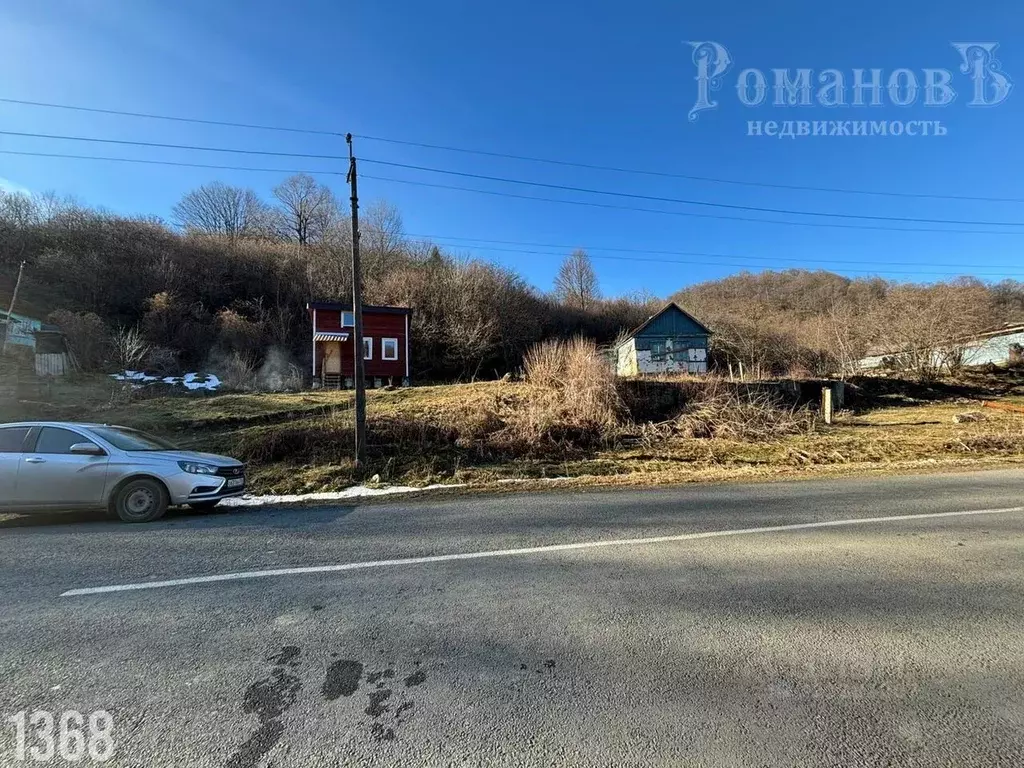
302, 442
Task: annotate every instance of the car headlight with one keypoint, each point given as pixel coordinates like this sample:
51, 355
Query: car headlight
195, 468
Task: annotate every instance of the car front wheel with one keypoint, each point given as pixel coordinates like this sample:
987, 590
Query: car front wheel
141, 501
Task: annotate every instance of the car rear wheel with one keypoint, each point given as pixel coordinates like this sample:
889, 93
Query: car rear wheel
202, 506
141, 501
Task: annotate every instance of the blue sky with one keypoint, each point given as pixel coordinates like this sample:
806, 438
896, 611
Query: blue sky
600, 82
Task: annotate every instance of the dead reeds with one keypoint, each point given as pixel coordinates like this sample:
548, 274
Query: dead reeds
732, 412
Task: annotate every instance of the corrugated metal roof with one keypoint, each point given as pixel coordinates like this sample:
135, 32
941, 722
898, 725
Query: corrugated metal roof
671, 305
1009, 329
1006, 330
340, 306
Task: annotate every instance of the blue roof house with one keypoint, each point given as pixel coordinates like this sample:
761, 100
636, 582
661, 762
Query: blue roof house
671, 341
21, 330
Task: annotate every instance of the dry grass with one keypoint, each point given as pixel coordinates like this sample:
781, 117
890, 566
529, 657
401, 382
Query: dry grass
577, 388
564, 421
1006, 437
741, 414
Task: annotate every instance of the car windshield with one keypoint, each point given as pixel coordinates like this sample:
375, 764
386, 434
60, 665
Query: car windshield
133, 439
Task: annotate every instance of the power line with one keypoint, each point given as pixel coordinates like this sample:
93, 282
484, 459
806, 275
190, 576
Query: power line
591, 204
512, 195
160, 145
743, 266
505, 180
657, 199
509, 156
689, 177
431, 239
455, 241
64, 156
146, 115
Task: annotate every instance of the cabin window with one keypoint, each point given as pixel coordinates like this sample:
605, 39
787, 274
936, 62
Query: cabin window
367, 348
389, 349
657, 351
347, 320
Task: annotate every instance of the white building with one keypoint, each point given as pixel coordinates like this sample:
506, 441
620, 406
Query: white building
1002, 346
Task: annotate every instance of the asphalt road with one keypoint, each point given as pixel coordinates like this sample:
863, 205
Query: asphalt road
879, 643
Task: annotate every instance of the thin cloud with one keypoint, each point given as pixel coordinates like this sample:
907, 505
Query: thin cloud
12, 187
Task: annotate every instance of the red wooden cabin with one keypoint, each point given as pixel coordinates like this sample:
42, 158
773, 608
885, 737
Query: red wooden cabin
385, 344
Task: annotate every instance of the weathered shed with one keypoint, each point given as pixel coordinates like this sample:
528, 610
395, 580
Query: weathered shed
999, 346
19, 328
670, 341
53, 357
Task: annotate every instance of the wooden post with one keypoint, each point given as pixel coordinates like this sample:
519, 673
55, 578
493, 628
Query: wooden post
826, 403
357, 316
730, 372
10, 310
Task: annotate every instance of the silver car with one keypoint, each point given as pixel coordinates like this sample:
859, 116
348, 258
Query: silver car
57, 465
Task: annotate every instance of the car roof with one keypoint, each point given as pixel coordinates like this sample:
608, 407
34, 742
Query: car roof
78, 424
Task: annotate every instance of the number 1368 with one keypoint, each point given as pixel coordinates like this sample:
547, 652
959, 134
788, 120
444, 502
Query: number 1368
42, 736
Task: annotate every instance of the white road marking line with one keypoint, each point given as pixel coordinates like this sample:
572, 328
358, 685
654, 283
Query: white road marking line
522, 551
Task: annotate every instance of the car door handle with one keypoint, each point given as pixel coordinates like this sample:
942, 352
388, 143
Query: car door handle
35, 460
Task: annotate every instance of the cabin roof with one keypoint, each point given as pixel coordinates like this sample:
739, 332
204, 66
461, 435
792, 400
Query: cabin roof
341, 307
670, 306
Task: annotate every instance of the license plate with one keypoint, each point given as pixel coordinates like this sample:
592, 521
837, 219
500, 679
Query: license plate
235, 482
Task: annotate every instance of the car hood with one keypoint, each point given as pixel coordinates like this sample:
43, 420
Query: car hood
208, 458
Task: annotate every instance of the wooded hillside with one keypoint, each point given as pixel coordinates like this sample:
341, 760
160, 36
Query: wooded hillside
225, 287
821, 323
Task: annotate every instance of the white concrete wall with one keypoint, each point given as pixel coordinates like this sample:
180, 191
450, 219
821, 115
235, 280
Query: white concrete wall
696, 363
625, 363
982, 352
995, 350
632, 362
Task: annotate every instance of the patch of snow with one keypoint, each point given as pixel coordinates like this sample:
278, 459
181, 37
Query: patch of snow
200, 381
355, 492
191, 381
133, 376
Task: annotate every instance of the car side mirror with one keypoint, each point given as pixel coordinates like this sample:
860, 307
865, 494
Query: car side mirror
87, 449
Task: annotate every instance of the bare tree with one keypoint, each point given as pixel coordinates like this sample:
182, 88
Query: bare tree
845, 332
381, 238
576, 282
129, 348
18, 210
53, 207
220, 209
310, 209
926, 328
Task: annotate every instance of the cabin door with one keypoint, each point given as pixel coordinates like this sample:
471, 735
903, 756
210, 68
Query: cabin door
332, 357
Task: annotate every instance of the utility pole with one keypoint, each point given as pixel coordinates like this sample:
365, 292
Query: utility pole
357, 314
10, 310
